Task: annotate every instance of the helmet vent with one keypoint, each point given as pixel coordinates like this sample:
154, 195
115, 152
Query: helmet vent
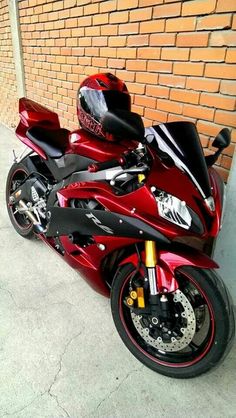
102, 84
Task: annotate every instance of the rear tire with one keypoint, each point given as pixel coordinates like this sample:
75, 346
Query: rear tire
23, 226
179, 363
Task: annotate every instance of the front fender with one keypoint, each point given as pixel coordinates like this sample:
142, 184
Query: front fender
169, 261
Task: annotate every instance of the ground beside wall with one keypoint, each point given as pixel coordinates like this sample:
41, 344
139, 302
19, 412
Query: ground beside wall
8, 87
177, 58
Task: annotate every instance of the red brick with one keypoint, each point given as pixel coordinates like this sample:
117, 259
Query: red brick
136, 40
184, 96
126, 75
152, 26
198, 112
124, 4
108, 52
92, 51
155, 115
116, 40
207, 128
225, 118
181, 24
223, 38
101, 19
57, 5
225, 6
76, 11
172, 80
160, 66
217, 21
192, 39
145, 101
100, 41
135, 88
158, 91
128, 28
231, 55
116, 63
175, 54
234, 22
198, 7
85, 21
188, 68
149, 53
90, 9
226, 162
167, 10
119, 17
217, 100
208, 54
136, 65
140, 14
109, 30
169, 106
70, 3
149, 2
147, 78
224, 70
162, 39
203, 84
107, 6
228, 87
99, 62
126, 52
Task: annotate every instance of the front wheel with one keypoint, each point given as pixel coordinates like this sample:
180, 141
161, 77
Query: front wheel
193, 337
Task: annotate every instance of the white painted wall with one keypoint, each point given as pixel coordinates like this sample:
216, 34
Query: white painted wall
225, 249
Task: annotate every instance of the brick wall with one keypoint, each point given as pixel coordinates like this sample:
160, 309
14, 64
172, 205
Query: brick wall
8, 96
177, 57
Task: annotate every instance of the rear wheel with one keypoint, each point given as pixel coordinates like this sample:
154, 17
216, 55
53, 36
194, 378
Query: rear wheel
16, 176
193, 337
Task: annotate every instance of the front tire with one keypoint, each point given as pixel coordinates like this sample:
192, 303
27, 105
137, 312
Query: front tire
213, 325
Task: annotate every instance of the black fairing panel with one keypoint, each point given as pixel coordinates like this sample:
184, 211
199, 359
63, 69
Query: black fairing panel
180, 140
67, 165
65, 221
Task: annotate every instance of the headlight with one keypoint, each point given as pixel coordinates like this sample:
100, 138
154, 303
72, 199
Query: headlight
172, 208
176, 211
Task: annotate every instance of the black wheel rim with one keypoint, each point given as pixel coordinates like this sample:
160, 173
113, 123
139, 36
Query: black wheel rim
19, 219
201, 341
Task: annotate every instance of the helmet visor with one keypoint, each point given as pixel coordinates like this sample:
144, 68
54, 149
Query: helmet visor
98, 102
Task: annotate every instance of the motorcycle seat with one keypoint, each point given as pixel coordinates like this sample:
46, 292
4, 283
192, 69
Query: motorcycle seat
52, 141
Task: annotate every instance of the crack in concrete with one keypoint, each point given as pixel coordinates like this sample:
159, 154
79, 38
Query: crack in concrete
8, 414
11, 296
31, 308
117, 387
49, 391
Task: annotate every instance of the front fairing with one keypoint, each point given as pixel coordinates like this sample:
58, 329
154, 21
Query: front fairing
181, 143
179, 168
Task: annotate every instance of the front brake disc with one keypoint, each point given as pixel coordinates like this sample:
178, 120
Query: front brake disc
187, 331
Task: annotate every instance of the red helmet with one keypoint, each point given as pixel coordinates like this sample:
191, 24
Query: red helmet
98, 94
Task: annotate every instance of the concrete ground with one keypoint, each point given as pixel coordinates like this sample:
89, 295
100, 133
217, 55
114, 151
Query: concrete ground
60, 355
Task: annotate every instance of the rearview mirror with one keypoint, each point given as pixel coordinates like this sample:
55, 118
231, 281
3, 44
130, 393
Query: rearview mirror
222, 140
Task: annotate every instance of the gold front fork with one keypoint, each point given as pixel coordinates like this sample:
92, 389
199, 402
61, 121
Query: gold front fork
150, 262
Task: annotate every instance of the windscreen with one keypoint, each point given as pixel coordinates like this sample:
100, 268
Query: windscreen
181, 142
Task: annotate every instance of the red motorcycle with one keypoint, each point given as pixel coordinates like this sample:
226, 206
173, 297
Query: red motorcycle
124, 205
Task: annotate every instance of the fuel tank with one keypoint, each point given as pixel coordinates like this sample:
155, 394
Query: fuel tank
87, 145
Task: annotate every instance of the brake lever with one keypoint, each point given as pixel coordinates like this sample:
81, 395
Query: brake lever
132, 171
